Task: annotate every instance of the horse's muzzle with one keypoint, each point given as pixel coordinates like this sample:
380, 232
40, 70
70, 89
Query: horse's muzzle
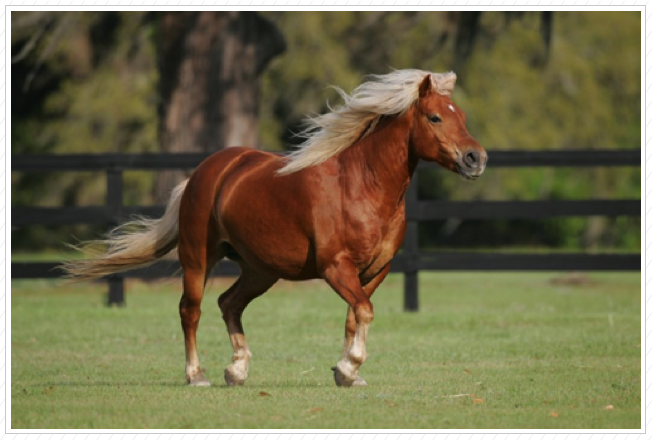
471, 163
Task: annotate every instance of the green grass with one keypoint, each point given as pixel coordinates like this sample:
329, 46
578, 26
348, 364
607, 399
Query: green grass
487, 350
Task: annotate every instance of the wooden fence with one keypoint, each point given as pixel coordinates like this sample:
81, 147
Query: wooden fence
410, 261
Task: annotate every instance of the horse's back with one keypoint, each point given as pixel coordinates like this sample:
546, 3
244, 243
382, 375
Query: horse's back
226, 167
221, 161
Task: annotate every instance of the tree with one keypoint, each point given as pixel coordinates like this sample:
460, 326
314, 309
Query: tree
209, 64
88, 82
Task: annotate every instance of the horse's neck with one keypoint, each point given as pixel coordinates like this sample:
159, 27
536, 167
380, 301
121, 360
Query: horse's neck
382, 163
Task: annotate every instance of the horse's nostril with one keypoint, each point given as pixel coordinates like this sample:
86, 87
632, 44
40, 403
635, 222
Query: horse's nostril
471, 158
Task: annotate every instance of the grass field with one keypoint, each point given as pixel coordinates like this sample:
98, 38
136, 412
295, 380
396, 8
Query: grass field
487, 350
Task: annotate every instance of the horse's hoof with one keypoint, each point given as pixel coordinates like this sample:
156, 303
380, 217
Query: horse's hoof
343, 381
232, 379
198, 381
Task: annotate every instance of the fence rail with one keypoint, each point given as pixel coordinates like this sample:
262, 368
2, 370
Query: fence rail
410, 261
161, 161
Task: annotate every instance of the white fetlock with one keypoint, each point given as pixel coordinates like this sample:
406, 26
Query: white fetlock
197, 380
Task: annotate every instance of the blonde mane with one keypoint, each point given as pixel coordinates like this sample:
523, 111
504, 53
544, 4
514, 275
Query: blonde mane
392, 94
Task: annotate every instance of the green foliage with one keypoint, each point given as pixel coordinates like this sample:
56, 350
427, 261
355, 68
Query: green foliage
104, 102
97, 92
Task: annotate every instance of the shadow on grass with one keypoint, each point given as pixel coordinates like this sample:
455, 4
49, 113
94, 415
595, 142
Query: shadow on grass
180, 384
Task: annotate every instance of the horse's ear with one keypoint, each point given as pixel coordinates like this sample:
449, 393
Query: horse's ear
426, 87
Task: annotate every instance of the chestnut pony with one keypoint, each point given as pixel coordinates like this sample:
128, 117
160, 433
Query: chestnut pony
334, 209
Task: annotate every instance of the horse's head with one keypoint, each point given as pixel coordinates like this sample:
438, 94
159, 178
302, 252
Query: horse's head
439, 134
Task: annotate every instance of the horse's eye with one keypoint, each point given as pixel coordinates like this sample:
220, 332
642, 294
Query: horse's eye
434, 119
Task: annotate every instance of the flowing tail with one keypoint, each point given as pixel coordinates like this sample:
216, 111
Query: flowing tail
137, 243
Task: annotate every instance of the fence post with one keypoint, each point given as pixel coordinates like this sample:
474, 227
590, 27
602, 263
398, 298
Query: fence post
411, 249
114, 197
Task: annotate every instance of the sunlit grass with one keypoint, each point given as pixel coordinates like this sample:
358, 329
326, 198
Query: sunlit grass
487, 350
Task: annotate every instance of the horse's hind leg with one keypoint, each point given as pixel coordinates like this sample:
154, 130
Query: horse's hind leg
190, 312
197, 262
232, 303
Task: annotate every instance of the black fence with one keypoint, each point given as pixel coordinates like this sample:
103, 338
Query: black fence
410, 261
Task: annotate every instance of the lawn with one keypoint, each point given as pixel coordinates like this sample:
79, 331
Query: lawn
486, 350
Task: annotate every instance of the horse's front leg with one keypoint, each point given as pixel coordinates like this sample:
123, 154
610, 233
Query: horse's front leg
350, 325
342, 276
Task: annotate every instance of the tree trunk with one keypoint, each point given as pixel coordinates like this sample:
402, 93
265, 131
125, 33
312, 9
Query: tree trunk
467, 30
209, 64
468, 27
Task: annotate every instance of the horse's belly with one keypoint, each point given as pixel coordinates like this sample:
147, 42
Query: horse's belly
282, 252
274, 244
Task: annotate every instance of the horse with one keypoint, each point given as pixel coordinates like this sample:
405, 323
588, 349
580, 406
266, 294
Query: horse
334, 209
